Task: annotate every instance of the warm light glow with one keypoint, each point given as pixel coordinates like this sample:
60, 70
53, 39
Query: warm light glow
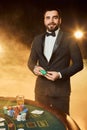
0, 49
78, 34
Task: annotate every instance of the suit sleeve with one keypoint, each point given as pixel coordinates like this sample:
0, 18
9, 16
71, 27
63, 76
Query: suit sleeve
76, 61
33, 57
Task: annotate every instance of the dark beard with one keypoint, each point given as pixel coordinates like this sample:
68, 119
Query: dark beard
52, 29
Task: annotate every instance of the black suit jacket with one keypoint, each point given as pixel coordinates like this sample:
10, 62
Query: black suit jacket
66, 59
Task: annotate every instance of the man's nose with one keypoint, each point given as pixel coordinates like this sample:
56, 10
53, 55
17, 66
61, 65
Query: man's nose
51, 20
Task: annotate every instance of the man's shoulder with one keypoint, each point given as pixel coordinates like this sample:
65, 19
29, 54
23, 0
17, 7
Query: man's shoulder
65, 33
68, 35
38, 39
39, 36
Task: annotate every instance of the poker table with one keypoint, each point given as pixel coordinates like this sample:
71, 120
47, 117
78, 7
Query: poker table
48, 120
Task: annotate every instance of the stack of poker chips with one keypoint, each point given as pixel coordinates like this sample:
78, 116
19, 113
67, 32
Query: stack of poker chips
17, 112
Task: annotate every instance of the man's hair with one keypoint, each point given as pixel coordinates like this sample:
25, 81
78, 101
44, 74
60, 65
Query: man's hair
51, 9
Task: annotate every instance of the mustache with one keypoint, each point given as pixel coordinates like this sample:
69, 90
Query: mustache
52, 23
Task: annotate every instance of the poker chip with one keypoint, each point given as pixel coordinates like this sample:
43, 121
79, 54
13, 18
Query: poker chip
43, 72
2, 119
18, 112
2, 124
10, 125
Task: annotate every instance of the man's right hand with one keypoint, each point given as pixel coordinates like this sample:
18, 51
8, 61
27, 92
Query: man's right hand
37, 70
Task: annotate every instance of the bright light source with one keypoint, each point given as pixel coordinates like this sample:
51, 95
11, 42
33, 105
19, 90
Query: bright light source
78, 34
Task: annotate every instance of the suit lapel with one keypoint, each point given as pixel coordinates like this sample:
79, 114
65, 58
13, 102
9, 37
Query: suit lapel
56, 45
57, 42
42, 46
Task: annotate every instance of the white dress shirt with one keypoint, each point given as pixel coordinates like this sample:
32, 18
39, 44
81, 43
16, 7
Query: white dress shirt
48, 47
49, 44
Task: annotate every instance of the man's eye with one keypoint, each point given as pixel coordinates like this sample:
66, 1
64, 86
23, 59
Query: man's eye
47, 17
55, 17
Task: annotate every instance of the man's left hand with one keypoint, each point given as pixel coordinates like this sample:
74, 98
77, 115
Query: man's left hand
52, 75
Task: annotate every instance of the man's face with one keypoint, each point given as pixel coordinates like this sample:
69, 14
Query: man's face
52, 20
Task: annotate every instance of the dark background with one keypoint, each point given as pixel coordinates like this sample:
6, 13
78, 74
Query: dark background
23, 19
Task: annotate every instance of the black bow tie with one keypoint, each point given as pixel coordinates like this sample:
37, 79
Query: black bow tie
50, 34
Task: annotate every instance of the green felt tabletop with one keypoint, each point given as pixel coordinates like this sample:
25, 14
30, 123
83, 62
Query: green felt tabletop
45, 121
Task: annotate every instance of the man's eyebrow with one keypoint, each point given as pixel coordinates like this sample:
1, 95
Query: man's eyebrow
52, 16
47, 16
55, 16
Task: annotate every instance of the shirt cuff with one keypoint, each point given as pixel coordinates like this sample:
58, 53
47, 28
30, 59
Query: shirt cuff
60, 76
